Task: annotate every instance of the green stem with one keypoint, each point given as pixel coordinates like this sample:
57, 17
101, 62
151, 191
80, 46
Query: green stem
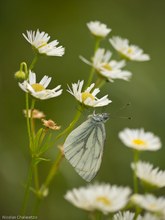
97, 43
98, 39
100, 82
95, 215
36, 178
72, 124
92, 216
33, 62
35, 165
53, 170
31, 120
90, 76
37, 206
27, 120
23, 67
27, 190
135, 180
31, 138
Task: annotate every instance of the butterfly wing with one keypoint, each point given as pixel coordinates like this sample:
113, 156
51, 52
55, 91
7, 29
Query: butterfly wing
83, 148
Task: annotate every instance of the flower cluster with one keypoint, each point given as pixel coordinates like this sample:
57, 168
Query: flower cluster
85, 144
102, 197
139, 140
106, 67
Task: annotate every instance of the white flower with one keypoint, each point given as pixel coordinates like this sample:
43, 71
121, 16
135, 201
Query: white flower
39, 40
139, 139
149, 216
150, 203
38, 90
109, 69
131, 52
98, 29
102, 197
87, 97
127, 215
148, 174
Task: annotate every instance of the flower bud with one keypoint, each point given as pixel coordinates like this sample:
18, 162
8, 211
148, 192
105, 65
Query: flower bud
20, 74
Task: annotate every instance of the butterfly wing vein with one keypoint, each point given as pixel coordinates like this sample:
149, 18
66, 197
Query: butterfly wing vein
84, 148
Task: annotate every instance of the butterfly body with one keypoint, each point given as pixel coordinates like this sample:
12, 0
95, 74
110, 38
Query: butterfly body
83, 147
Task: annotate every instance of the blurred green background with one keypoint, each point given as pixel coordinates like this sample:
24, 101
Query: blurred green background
140, 21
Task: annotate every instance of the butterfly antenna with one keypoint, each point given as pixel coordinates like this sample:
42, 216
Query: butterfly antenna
94, 112
125, 117
125, 106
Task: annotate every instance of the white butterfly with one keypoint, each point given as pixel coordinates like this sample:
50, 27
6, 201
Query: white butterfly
83, 147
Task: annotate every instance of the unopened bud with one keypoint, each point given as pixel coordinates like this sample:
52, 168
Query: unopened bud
20, 75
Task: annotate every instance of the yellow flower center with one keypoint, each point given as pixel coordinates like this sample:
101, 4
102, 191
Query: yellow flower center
107, 66
86, 95
129, 50
103, 200
139, 142
42, 44
153, 206
37, 87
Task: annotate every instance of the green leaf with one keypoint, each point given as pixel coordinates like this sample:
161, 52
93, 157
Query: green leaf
39, 159
46, 145
37, 140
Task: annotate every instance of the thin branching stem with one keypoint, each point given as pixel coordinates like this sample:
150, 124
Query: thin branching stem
53, 170
135, 180
91, 75
27, 190
31, 142
34, 61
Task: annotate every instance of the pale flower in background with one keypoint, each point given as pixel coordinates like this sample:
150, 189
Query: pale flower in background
35, 113
109, 69
88, 97
38, 90
131, 52
147, 173
102, 197
127, 215
39, 40
149, 216
150, 203
50, 124
98, 29
140, 140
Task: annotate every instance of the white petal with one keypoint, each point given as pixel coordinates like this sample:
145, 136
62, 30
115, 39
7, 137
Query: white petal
85, 60
45, 81
32, 77
90, 87
95, 92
